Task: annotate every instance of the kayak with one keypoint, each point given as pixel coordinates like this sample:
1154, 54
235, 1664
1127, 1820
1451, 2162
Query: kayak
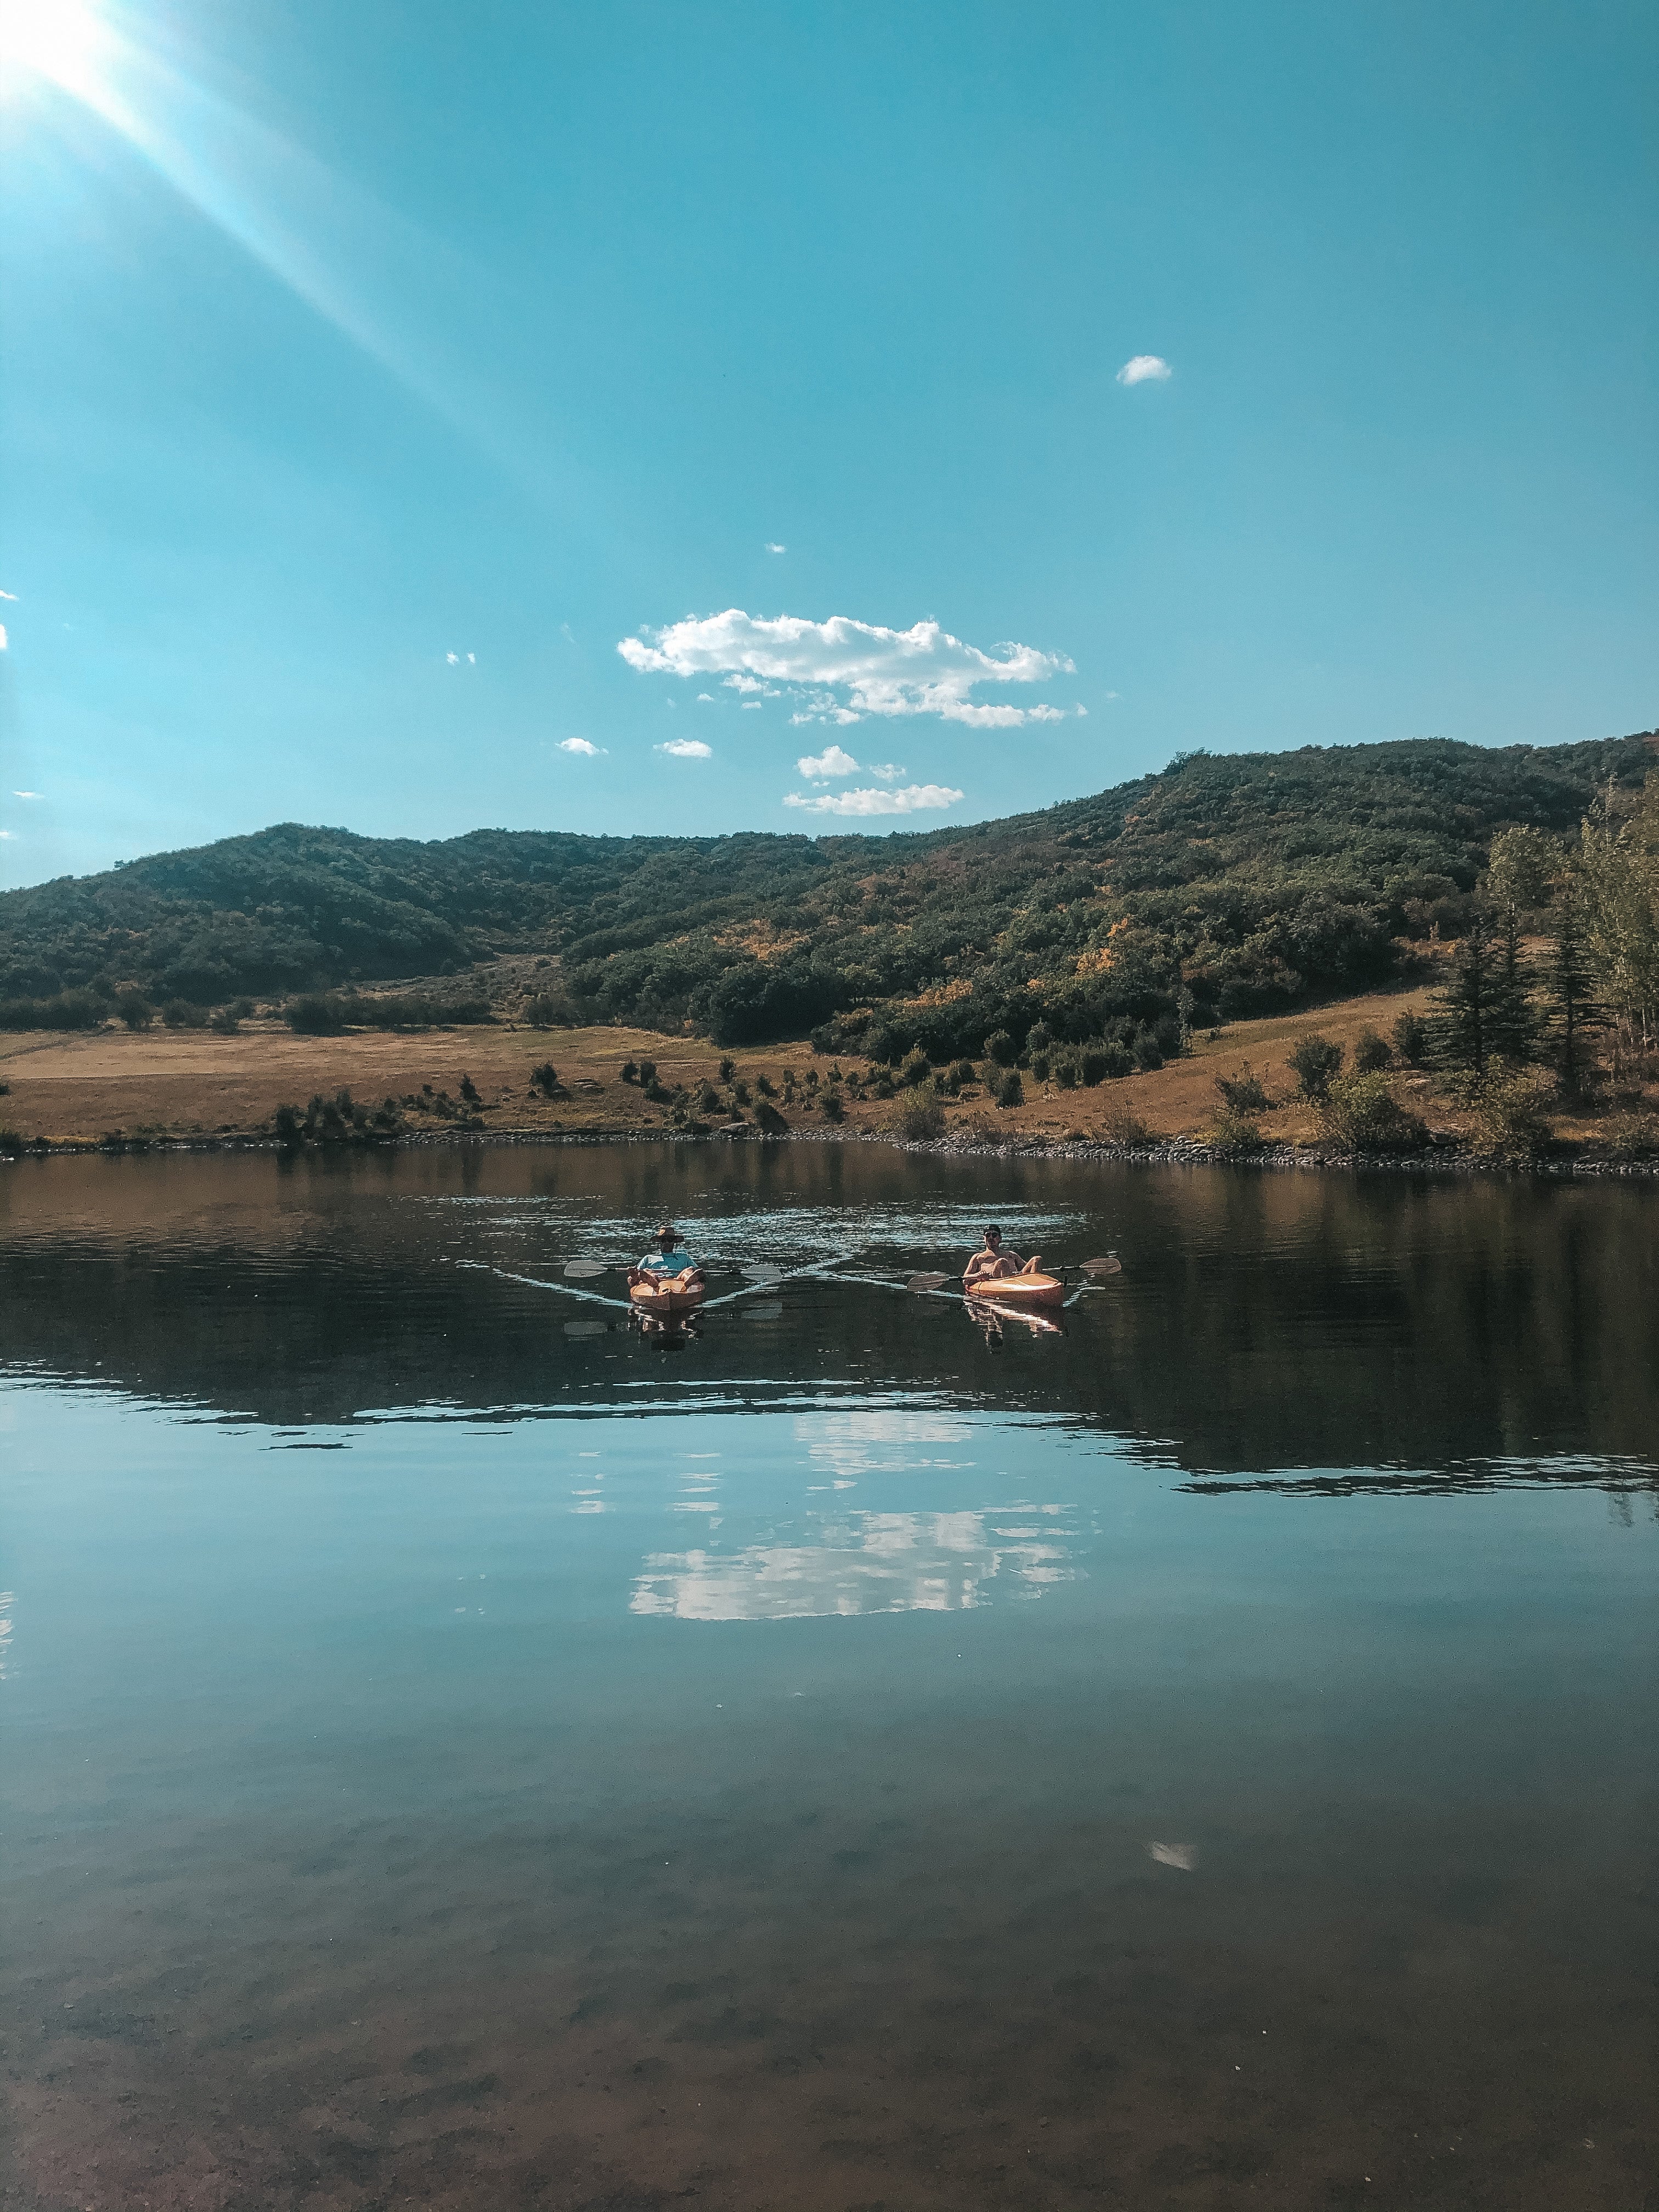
673, 1297
1019, 1289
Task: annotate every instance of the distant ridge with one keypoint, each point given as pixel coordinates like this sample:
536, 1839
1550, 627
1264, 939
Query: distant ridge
1227, 884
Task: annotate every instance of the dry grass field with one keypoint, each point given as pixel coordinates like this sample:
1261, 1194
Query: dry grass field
192, 1083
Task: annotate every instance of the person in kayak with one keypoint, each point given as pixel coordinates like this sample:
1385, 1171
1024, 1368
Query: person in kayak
994, 1262
670, 1260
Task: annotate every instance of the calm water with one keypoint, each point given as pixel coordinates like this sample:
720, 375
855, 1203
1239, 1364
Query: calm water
459, 1751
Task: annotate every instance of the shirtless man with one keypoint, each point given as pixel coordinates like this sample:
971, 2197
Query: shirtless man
994, 1262
670, 1260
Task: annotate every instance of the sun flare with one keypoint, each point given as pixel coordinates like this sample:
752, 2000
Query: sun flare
62, 40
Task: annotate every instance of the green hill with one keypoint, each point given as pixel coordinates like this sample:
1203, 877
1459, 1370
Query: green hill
1226, 884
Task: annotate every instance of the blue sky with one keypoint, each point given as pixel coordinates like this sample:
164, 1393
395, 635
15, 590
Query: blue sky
786, 341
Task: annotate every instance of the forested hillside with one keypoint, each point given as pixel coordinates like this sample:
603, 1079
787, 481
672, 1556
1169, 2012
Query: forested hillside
1226, 884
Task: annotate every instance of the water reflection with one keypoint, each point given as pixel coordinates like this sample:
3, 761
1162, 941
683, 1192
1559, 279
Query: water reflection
864, 1563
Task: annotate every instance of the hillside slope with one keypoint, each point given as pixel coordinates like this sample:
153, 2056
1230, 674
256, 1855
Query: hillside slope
1233, 883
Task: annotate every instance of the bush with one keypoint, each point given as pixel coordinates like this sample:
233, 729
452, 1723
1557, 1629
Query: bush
315, 1016
728, 1068
916, 1069
135, 1009
1361, 1114
1000, 1047
1147, 1053
1315, 1060
470, 1092
544, 1012
1094, 1064
1235, 1133
180, 1014
769, 1121
1243, 1093
763, 1083
543, 1079
1010, 1091
708, 1099
1633, 1136
964, 1072
629, 1072
1123, 1126
834, 1107
1371, 1053
1510, 1126
1065, 1072
69, 1010
917, 1116
646, 1074
1411, 1039
338, 1121
741, 1092
1039, 1066
224, 1022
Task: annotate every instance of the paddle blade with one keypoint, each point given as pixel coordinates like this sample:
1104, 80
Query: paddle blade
761, 1270
583, 1271
1096, 1268
927, 1282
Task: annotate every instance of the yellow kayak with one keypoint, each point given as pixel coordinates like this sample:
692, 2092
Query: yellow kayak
1021, 1289
673, 1297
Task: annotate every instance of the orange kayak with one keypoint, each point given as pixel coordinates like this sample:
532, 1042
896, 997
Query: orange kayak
673, 1297
1020, 1289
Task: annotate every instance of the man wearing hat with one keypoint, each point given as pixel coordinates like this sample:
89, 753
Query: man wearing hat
670, 1260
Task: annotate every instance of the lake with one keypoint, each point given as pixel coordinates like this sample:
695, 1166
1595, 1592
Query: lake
461, 1750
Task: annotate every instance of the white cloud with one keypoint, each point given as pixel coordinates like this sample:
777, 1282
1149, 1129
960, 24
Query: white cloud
921, 671
707, 699
26, 794
582, 745
889, 771
749, 705
771, 548
914, 799
8, 595
5, 643
817, 768
9, 835
687, 749
1146, 368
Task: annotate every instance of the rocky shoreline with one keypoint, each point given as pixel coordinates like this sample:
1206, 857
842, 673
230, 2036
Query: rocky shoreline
1440, 1160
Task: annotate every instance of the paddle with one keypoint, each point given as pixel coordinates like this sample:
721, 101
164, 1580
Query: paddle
928, 1282
762, 1271
584, 1270
1094, 1269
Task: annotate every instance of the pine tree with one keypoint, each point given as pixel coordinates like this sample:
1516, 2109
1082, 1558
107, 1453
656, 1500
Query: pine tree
1464, 1006
1510, 1024
1571, 987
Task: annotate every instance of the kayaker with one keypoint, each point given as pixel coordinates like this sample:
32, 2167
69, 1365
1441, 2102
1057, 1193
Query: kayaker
670, 1260
994, 1262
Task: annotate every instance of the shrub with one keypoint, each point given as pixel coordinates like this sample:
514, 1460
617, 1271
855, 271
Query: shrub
708, 1097
1094, 1064
628, 1072
741, 1092
964, 1072
833, 1105
1361, 1114
1123, 1126
1371, 1053
1411, 1039
1315, 1062
315, 1016
764, 1086
1147, 1053
1511, 1126
1039, 1066
1066, 1072
180, 1014
470, 1092
135, 1009
1243, 1093
544, 1011
1633, 1136
883, 1086
1010, 1091
544, 1078
1001, 1047
769, 1121
1235, 1133
224, 1021
69, 1010
917, 1116
656, 1093
645, 1073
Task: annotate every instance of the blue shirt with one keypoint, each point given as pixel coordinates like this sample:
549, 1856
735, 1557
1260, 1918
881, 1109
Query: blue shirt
667, 1263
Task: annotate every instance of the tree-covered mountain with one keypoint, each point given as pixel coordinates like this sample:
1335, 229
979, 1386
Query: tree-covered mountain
1227, 884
